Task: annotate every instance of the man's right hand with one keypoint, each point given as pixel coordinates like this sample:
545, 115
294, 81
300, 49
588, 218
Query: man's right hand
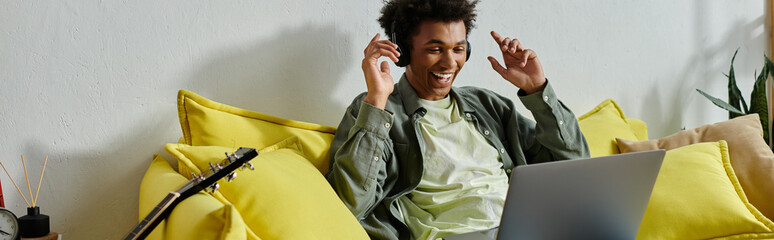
378, 79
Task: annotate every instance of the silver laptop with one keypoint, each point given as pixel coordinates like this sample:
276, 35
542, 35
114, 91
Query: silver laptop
595, 198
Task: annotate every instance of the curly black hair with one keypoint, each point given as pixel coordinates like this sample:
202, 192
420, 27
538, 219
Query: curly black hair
407, 14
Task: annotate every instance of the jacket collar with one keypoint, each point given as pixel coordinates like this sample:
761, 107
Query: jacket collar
408, 96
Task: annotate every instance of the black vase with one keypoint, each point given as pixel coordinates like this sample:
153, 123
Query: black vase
34, 224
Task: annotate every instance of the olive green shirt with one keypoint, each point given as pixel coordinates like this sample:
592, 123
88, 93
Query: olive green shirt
376, 155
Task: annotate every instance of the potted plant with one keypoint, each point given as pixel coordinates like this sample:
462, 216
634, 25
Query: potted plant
736, 105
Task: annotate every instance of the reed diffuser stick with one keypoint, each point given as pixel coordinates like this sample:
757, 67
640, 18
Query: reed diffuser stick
14, 184
28, 179
34, 202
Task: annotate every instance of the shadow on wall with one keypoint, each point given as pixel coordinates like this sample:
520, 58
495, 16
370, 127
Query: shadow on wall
703, 73
290, 75
107, 180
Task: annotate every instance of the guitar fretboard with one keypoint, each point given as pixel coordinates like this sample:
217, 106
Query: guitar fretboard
198, 182
150, 220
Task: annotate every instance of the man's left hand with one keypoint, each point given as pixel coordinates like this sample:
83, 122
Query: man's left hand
522, 67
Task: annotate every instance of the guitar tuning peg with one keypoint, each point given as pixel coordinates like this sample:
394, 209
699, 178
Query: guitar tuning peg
231, 156
215, 167
248, 165
230, 177
196, 176
214, 187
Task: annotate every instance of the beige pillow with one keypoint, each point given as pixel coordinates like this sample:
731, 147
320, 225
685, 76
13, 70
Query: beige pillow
751, 158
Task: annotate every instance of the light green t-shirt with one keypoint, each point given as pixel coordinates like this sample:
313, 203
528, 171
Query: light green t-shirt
463, 186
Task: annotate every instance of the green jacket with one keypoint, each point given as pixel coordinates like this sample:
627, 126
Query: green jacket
376, 155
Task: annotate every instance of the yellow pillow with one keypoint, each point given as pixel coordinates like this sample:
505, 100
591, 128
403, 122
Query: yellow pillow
697, 196
208, 123
606, 122
285, 197
751, 157
639, 128
200, 216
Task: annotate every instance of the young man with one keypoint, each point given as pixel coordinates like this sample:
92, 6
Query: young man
421, 159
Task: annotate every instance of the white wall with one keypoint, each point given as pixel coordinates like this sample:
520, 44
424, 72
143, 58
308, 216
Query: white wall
92, 84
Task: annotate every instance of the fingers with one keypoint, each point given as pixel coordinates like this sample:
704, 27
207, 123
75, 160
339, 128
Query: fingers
511, 46
496, 66
385, 67
525, 56
521, 57
376, 53
498, 39
514, 46
381, 48
507, 44
385, 50
376, 41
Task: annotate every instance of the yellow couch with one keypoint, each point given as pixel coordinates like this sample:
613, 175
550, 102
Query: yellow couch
287, 197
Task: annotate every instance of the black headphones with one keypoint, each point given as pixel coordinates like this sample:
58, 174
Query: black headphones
405, 56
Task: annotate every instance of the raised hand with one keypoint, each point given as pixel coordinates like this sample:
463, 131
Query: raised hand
378, 78
522, 67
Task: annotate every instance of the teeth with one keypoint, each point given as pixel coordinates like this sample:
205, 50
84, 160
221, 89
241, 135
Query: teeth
441, 75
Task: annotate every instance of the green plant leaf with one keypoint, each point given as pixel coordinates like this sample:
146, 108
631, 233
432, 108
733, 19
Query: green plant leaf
769, 64
721, 103
735, 97
770, 67
758, 101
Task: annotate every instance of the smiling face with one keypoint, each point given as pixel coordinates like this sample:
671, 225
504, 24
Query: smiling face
437, 55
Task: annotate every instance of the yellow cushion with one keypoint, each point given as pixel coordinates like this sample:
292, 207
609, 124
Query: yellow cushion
603, 124
639, 128
285, 197
751, 157
697, 196
200, 216
208, 123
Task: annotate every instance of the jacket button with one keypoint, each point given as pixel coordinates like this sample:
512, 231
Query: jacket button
376, 159
387, 125
486, 132
507, 171
502, 150
467, 115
